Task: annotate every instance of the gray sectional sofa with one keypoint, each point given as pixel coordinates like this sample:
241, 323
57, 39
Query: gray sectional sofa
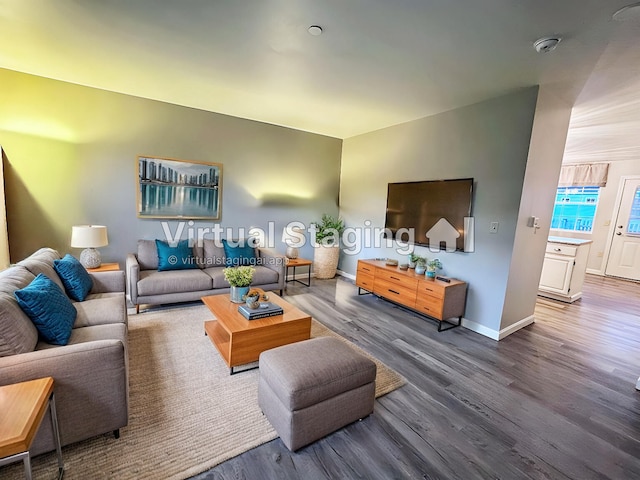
147, 285
90, 372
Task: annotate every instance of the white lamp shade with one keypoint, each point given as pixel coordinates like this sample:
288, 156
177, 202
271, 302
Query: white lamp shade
89, 236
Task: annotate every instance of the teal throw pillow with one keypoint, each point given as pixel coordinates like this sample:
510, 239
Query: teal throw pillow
179, 257
239, 253
75, 278
49, 309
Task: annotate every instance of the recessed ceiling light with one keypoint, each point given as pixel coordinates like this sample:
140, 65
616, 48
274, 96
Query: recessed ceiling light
630, 12
315, 30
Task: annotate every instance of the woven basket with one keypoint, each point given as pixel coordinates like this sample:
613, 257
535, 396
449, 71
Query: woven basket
325, 261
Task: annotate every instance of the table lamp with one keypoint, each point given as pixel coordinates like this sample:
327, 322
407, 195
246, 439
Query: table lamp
89, 237
292, 237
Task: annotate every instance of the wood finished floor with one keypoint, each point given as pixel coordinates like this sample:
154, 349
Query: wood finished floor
555, 400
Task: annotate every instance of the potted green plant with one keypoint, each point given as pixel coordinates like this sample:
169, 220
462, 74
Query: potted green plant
239, 278
432, 266
413, 259
421, 263
327, 245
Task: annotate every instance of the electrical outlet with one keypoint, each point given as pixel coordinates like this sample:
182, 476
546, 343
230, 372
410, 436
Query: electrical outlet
493, 228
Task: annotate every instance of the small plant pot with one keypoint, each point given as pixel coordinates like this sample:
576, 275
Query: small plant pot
420, 270
431, 273
238, 294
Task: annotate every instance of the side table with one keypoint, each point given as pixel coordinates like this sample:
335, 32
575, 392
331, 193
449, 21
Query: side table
294, 263
22, 408
105, 267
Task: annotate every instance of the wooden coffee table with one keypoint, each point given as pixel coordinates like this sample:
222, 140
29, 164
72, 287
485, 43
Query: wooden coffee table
240, 341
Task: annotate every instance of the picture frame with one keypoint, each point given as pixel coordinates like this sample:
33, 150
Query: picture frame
178, 189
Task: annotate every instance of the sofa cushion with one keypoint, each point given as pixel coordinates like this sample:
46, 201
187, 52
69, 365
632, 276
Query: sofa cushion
15, 278
213, 254
75, 278
264, 275
39, 264
239, 253
45, 254
114, 331
147, 255
48, 308
18, 334
173, 281
101, 309
179, 257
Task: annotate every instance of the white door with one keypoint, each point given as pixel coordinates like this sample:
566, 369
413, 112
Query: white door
624, 255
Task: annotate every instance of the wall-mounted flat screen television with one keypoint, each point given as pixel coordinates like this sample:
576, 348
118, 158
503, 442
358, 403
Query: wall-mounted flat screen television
436, 211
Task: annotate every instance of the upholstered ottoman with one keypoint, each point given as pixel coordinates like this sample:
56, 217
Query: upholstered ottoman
312, 388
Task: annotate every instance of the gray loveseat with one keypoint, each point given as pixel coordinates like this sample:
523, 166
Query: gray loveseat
147, 285
90, 373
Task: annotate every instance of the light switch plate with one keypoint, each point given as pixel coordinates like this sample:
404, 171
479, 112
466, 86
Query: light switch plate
493, 228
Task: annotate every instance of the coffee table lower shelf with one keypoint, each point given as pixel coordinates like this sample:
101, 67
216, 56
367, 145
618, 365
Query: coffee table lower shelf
244, 347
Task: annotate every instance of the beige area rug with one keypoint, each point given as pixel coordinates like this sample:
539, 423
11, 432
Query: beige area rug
187, 414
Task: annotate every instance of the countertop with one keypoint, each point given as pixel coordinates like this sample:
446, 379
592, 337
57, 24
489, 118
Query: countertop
568, 241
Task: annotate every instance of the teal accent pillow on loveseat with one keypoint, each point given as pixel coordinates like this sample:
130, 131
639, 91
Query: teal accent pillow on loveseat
179, 257
239, 253
49, 309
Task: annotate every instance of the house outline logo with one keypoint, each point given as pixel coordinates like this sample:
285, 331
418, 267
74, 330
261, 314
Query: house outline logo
442, 231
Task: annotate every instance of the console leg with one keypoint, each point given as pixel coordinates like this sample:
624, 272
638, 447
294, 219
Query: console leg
116, 434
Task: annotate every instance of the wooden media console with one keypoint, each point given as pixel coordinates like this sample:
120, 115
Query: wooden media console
437, 299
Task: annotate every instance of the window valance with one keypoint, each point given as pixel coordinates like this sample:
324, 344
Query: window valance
584, 175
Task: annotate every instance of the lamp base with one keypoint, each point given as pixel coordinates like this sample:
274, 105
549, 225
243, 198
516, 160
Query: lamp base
90, 258
292, 252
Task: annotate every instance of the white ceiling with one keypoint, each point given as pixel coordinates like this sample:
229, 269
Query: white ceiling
378, 62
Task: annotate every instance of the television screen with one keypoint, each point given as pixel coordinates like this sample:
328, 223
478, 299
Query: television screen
435, 210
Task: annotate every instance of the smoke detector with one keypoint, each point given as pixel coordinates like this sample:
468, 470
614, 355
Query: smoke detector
546, 44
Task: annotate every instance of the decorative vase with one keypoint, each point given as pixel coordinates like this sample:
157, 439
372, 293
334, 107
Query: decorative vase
325, 260
238, 294
253, 302
431, 273
420, 269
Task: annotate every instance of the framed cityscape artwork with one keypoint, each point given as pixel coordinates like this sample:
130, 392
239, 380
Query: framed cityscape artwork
171, 188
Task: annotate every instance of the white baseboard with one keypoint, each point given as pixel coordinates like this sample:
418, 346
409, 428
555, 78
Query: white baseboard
593, 271
346, 275
497, 334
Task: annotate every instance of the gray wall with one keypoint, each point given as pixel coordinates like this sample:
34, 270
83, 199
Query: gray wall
548, 139
488, 141
72, 159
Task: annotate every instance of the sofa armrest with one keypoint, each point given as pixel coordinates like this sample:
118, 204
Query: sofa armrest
90, 382
274, 261
132, 270
105, 282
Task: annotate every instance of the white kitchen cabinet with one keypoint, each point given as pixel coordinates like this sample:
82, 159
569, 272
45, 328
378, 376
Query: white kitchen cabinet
564, 268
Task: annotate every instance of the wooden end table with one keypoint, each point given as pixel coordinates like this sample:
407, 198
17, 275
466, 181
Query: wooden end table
294, 263
22, 408
105, 267
240, 341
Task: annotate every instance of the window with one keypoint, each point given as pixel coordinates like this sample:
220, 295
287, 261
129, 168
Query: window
575, 208
634, 216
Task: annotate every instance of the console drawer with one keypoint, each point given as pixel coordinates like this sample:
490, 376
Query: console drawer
398, 279
394, 291
430, 288
430, 306
365, 280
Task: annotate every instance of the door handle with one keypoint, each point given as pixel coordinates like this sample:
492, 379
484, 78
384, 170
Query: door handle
618, 233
